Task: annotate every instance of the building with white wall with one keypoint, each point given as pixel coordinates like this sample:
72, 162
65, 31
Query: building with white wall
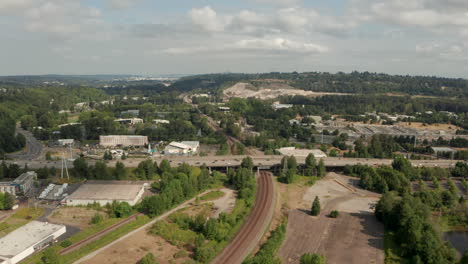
292, 151
124, 141
182, 148
28, 239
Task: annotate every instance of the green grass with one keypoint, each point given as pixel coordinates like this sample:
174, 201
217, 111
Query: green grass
173, 233
94, 245
19, 218
212, 195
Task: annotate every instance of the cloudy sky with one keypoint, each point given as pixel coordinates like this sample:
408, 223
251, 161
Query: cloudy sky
428, 37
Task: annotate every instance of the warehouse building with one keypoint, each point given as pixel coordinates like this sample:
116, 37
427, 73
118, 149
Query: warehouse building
292, 151
104, 192
22, 184
124, 141
28, 239
182, 148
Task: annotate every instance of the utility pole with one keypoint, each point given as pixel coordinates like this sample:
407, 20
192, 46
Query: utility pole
64, 164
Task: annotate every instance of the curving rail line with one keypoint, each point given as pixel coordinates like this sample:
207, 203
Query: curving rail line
252, 230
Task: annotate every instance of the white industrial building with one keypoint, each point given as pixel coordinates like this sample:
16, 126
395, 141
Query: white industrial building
125, 141
182, 148
292, 151
129, 121
65, 142
104, 192
161, 121
28, 239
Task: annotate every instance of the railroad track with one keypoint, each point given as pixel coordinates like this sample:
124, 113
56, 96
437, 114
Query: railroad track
97, 235
252, 230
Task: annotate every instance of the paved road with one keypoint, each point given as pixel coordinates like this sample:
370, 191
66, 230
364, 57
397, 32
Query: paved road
233, 161
254, 227
32, 150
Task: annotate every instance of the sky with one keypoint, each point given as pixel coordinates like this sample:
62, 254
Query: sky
153, 37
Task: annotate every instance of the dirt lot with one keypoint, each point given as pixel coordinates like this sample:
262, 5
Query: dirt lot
136, 246
73, 216
268, 91
131, 250
354, 237
446, 127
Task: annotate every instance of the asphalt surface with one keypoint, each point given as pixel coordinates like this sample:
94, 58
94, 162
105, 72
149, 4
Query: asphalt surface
234, 161
254, 227
32, 150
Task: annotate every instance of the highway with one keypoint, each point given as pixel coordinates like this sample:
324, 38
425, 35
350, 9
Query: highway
234, 161
33, 147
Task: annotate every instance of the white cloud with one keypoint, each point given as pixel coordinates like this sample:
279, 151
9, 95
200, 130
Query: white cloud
207, 19
275, 45
285, 20
421, 13
280, 44
122, 4
8, 6
277, 2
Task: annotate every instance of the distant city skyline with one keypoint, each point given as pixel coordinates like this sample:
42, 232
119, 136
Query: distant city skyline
152, 38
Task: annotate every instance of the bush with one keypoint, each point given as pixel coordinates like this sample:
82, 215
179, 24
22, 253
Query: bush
97, 218
66, 243
312, 259
334, 214
148, 259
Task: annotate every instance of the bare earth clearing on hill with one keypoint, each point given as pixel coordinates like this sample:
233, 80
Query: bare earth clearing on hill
354, 237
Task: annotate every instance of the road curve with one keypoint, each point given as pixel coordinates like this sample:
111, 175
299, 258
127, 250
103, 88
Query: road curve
254, 227
32, 149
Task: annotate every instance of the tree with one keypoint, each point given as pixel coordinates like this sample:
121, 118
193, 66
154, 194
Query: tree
9, 201
247, 162
81, 168
121, 210
292, 164
321, 169
107, 155
311, 165
312, 259
148, 259
124, 156
120, 173
464, 259
315, 207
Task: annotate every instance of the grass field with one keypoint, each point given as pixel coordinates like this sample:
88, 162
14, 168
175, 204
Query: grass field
104, 240
20, 218
212, 196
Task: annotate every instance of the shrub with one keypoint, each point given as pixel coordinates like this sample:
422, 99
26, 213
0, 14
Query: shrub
97, 218
180, 254
334, 214
66, 243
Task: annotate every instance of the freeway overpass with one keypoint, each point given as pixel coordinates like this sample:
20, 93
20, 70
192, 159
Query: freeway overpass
263, 161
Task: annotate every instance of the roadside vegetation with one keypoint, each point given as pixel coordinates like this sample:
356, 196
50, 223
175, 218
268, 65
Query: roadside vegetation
267, 252
412, 219
202, 235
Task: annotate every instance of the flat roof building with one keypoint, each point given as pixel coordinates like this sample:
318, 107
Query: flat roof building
104, 192
126, 141
28, 239
292, 151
